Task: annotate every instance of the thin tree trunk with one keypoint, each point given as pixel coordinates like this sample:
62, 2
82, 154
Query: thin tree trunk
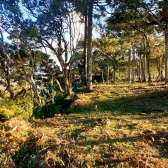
35, 90
85, 46
66, 81
162, 78
68, 88
140, 69
107, 69
147, 51
160, 69
145, 78
133, 64
89, 61
70, 75
166, 55
152, 76
145, 58
8, 88
114, 75
102, 76
52, 88
148, 69
129, 67
7, 78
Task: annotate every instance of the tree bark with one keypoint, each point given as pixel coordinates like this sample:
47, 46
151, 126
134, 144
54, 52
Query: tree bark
133, 63
8, 88
85, 45
161, 71
114, 76
140, 69
102, 76
107, 69
129, 67
147, 51
89, 61
145, 69
166, 55
68, 88
148, 68
35, 90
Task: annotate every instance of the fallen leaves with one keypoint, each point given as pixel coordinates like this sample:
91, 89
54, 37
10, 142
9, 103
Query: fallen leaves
106, 122
57, 115
42, 140
109, 138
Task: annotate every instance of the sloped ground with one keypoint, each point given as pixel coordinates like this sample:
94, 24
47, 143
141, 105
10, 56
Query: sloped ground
114, 126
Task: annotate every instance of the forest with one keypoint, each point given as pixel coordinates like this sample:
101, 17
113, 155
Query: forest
83, 83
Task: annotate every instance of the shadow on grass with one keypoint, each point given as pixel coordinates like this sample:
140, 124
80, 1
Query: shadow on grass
147, 103
155, 103
99, 142
27, 156
50, 109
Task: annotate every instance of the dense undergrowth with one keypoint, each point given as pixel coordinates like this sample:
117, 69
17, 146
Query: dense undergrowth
123, 125
22, 106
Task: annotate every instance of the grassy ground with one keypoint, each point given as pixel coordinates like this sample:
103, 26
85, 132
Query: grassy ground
123, 125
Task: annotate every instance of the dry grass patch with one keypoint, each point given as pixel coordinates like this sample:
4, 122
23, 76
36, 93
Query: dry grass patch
105, 134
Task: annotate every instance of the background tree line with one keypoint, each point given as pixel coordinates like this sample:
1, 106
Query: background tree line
133, 43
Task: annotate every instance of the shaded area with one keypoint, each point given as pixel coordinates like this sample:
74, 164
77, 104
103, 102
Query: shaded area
60, 105
82, 142
155, 102
27, 156
117, 131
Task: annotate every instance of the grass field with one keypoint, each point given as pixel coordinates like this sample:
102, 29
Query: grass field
122, 125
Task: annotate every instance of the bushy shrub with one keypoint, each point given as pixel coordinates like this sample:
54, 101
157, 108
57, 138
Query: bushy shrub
61, 104
22, 106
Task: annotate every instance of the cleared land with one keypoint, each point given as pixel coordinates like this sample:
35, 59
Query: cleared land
124, 125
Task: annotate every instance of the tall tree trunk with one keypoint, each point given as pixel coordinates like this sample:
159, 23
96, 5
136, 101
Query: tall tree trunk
145, 78
102, 76
107, 69
68, 88
140, 69
147, 51
129, 67
145, 58
89, 61
66, 81
152, 76
70, 74
114, 76
35, 90
85, 45
166, 54
6, 77
161, 71
148, 68
133, 63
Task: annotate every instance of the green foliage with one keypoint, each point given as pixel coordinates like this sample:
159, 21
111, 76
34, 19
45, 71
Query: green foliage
24, 38
61, 103
110, 132
33, 32
20, 107
30, 161
47, 111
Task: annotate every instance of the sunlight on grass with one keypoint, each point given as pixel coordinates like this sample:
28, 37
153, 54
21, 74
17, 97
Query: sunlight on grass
101, 132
